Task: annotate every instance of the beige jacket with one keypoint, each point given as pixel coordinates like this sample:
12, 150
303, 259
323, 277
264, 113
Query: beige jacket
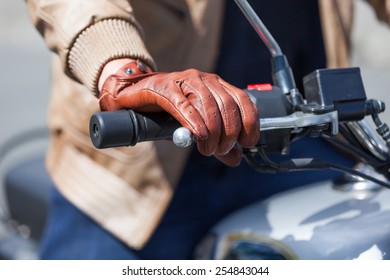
127, 190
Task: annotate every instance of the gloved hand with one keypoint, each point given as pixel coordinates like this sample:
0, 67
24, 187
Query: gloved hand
219, 115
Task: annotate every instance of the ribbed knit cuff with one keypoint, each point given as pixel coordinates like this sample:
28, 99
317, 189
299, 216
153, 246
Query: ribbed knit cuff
103, 42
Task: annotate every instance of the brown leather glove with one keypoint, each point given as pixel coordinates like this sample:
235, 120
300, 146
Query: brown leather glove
218, 114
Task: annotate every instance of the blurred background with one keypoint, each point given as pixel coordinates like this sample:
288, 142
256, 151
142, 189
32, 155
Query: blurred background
25, 80
24, 77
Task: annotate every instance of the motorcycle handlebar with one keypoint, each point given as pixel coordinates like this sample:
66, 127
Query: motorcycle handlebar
332, 96
127, 128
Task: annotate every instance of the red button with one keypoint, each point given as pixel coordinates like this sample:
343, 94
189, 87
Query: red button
260, 86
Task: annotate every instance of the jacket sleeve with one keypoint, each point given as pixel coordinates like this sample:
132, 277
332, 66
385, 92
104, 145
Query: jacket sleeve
382, 9
86, 34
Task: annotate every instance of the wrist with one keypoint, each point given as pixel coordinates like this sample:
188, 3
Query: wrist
129, 66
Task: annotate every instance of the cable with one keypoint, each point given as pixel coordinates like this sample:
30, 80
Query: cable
306, 164
354, 151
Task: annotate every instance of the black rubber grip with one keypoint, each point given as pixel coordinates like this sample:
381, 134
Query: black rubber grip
127, 128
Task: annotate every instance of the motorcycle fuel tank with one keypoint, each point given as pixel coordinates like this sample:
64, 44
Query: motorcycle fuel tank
319, 221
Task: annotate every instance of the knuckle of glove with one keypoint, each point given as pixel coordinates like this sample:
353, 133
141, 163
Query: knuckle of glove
233, 158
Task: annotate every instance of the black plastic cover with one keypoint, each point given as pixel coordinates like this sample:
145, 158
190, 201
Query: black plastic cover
336, 89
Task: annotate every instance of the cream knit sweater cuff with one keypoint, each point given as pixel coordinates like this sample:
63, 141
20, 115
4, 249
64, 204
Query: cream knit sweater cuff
103, 42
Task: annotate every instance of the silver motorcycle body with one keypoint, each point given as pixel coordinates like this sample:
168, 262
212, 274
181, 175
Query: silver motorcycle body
319, 221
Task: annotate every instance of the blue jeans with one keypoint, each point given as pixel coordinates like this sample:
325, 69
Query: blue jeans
208, 191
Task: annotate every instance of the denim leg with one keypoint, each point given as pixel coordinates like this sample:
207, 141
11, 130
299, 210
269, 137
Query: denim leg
70, 234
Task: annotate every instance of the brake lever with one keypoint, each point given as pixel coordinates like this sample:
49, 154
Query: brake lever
299, 120
182, 137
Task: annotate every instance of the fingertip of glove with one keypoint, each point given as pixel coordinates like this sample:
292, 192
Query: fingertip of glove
233, 158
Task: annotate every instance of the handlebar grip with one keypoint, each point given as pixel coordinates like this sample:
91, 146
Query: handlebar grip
127, 128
